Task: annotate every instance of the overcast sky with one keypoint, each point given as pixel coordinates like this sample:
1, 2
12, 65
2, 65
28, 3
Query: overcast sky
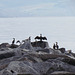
22, 8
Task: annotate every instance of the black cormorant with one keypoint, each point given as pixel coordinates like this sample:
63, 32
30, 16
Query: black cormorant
40, 37
13, 41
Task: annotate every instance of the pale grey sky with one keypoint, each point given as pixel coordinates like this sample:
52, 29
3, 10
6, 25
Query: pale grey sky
56, 29
22, 8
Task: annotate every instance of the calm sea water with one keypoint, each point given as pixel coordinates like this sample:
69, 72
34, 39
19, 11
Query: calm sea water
56, 29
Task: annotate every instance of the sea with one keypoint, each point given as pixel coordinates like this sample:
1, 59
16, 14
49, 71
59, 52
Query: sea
55, 29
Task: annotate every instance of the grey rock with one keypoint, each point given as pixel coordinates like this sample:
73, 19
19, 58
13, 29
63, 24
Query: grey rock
58, 65
61, 72
19, 67
27, 45
4, 45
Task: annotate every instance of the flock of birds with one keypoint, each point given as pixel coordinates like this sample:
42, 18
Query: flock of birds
37, 37
18, 41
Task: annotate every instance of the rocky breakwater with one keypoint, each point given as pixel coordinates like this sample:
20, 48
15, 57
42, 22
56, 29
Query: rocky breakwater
30, 60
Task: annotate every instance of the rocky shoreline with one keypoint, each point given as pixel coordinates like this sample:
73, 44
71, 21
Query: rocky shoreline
29, 58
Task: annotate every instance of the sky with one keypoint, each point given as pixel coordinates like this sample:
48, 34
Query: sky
56, 22
29, 8
56, 29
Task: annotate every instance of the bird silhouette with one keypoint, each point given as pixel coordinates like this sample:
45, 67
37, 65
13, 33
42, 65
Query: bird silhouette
40, 37
13, 41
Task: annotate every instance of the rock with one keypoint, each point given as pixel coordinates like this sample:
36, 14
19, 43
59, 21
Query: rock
33, 64
26, 59
44, 50
53, 51
62, 50
26, 45
41, 44
57, 65
62, 73
4, 45
6, 72
41, 67
30, 58
45, 57
18, 67
13, 46
20, 52
6, 53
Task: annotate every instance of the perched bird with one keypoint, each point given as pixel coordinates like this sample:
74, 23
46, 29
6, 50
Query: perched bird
29, 39
13, 41
18, 41
40, 37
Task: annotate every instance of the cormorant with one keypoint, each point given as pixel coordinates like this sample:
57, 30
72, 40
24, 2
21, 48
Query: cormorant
40, 37
13, 41
18, 41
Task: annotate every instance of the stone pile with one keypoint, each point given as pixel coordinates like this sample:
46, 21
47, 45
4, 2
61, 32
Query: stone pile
26, 60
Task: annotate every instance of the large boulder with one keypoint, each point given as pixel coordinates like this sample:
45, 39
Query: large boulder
6, 53
62, 50
58, 65
4, 45
54, 51
18, 67
31, 64
26, 45
62, 73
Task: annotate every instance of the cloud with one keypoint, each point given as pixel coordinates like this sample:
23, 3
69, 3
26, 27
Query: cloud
52, 8
26, 10
59, 8
42, 6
